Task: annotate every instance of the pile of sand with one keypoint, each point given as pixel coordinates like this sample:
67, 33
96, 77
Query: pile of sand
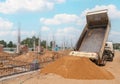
76, 68
30, 56
65, 52
52, 55
4, 54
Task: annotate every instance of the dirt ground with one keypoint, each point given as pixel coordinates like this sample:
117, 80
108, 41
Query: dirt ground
36, 78
31, 56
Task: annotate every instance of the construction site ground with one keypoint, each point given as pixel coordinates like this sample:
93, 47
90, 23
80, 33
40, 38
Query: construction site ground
37, 78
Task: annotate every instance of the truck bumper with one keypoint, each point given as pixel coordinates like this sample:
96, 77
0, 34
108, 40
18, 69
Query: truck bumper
84, 54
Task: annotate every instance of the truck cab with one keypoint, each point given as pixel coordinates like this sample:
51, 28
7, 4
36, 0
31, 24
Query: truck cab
109, 51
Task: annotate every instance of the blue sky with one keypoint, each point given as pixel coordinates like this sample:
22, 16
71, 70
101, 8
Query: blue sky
63, 19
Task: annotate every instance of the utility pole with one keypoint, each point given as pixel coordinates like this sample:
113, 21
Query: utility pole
34, 46
39, 43
64, 43
46, 43
53, 43
18, 40
71, 43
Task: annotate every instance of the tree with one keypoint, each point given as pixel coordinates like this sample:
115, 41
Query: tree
10, 44
43, 43
50, 44
3, 43
116, 45
29, 42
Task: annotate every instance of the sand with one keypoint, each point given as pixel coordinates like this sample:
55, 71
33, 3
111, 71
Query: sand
76, 68
30, 56
2, 54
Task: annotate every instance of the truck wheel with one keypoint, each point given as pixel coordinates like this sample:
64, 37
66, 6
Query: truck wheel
111, 57
103, 62
96, 62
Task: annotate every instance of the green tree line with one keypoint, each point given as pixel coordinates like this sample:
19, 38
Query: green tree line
10, 44
116, 46
27, 41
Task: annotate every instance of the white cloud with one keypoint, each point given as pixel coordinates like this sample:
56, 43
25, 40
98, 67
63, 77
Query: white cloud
114, 36
14, 33
59, 1
5, 24
68, 32
60, 19
67, 29
67, 35
7, 30
12, 6
45, 28
115, 33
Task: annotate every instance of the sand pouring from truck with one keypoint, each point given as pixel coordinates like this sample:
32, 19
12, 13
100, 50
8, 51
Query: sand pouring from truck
91, 43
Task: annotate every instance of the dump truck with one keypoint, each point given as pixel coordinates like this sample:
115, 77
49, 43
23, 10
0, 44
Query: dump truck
91, 43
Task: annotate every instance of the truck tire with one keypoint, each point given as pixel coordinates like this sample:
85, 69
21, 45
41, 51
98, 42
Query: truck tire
103, 61
96, 62
111, 59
